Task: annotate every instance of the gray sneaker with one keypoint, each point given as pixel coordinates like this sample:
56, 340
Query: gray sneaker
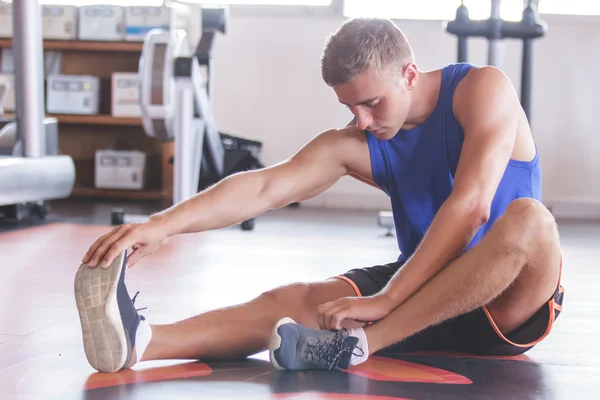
296, 347
109, 319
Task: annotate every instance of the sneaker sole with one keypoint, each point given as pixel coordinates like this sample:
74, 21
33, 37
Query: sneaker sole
104, 339
275, 341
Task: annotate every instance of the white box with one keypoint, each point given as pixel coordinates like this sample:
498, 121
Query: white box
120, 169
6, 20
101, 23
141, 19
59, 22
6, 87
125, 101
73, 94
9, 99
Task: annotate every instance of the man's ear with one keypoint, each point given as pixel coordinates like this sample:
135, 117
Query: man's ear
410, 75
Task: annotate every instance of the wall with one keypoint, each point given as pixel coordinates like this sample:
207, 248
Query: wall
268, 87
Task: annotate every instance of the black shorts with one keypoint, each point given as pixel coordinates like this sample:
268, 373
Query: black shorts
474, 332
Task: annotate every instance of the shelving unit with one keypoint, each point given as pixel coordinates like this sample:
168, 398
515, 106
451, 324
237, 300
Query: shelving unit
84, 45
72, 119
81, 135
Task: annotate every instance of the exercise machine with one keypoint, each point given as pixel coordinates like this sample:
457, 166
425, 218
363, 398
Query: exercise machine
32, 172
495, 30
176, 106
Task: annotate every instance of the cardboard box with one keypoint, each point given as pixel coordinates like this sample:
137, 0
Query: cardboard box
6, 20
73, 94
125, 98
101, 23
59, 22
139, 20
9, 96
120, 169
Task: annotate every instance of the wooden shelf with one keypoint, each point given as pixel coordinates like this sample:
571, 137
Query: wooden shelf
92, 192
80, 136
84, 45
73, 119
96, 120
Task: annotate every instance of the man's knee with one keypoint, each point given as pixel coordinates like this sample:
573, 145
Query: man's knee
293, 295
299, 301
532, 224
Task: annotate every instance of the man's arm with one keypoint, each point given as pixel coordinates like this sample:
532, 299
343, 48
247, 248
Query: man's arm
317, 166
313, 169
488, 109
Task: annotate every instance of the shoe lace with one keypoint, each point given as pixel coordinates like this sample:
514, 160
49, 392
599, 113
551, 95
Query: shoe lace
330, 350
138, 309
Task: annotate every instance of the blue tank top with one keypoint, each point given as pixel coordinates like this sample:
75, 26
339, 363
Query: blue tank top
416, 169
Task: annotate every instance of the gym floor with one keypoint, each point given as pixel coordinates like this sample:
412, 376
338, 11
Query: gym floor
41, 353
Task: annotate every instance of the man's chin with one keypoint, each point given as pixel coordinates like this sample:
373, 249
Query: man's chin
385, 134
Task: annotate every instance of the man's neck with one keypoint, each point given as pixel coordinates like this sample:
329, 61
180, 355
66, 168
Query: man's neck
424, 98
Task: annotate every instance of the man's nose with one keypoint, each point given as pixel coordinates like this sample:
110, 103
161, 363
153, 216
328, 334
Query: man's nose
363, 119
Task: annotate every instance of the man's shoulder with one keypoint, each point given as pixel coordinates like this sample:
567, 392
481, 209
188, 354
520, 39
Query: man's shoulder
479, 84
348, 134
482, 77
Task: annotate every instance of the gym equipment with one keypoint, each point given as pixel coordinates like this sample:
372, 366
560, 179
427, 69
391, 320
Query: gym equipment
175, 104
495, 30
31, 170
385, 219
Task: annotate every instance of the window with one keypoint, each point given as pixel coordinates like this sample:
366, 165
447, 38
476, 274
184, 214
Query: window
571, 7
429, 9
217, 2
266, 2
106, 2
510, 10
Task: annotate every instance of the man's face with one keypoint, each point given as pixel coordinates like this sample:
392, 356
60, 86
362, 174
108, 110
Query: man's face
380, 102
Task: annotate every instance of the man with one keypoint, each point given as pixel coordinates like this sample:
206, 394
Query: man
480, 262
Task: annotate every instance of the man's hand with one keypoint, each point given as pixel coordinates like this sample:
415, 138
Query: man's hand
350, 312
144, 238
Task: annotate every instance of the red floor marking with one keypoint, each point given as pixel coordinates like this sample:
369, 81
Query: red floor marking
520, 357
331, 396
387, 369
99, 380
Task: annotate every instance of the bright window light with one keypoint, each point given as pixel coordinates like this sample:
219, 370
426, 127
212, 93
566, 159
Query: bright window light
266, 2
570, 7
510, 10
160, 2
96, 2
429, 9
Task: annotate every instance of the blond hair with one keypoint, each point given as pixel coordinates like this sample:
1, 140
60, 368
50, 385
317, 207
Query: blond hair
360, 44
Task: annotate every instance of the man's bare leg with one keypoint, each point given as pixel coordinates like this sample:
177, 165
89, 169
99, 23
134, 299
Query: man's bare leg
242, 330
514, 270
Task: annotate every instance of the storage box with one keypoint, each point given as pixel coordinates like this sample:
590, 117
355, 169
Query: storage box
59, 22
73, 94
125, 101
141, 19
101, 23
9, 96
6, 85
120, 169
6, 20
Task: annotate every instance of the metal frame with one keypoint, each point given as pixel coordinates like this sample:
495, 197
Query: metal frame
36, 174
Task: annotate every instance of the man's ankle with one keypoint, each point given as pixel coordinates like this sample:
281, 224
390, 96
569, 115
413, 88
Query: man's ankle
143, 337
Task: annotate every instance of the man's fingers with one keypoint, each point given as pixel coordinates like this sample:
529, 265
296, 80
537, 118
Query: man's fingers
338, 317
117, 248
136, 255
105, 253
332, 315
94, 247
321, 310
